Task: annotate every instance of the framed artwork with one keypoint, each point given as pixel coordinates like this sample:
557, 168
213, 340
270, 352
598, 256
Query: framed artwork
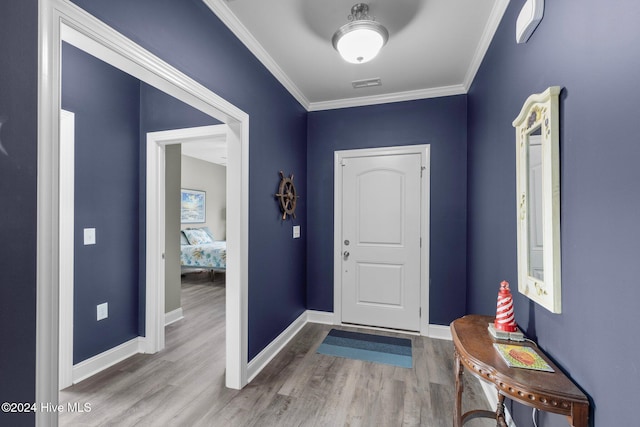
193, 206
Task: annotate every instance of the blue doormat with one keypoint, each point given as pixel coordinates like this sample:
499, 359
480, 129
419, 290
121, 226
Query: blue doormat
372, 348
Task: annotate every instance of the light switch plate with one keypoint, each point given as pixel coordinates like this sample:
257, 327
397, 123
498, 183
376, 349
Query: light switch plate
296, 231
103, 311
89, 236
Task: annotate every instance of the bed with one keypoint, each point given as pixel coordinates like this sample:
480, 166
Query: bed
200, 251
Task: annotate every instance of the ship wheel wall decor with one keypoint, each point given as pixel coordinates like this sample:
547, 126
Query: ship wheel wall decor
287, 196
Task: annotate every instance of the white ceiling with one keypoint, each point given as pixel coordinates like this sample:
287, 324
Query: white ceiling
435, 47
209, 145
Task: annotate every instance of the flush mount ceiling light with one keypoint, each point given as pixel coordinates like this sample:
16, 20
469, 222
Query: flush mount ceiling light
360, 40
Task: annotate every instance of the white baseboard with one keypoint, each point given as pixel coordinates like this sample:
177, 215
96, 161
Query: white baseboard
440, 332
258, 363
173, 316
322, 317
102, 361
492, 397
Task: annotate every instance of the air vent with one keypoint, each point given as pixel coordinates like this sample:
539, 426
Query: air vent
357, 84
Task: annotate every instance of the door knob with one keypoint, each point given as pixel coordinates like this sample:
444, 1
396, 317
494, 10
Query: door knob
346, 254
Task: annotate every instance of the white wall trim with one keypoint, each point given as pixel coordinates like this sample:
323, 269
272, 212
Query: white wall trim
425, 152
439, 332
237, 242
173, 316
222, 11
499, 8
257, 364
106, 359
47, 235
491, 394
67, 223
388, 98
54, 18
322, 317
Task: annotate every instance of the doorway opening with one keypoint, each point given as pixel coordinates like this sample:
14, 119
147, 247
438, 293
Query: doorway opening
63, 21
157, 143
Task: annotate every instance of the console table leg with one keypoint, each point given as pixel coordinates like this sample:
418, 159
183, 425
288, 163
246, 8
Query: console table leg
500, 420
457, 413
579, 416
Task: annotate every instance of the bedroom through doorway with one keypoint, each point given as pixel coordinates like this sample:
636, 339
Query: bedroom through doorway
153, 317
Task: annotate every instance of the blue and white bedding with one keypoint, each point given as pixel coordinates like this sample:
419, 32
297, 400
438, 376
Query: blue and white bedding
207, 255
199, 249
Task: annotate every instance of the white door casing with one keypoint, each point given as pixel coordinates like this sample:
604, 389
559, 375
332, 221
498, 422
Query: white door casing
62, 20
155, 281
66, 245
381, 215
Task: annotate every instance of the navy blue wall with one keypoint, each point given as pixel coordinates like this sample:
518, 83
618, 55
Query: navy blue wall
440, 122
18, 173
590, 48
159, 111
186, 34
106, 103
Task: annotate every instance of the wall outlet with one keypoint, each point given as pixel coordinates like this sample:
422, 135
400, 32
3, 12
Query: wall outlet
296, 231
103, 311
89, 236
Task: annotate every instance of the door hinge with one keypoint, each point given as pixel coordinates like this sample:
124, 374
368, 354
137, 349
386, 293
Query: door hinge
422, 168
420, 312
421, 242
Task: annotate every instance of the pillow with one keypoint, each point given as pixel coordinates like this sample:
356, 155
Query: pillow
183, 239
197, 236
209, 232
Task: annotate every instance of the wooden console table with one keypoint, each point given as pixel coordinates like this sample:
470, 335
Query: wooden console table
547, 391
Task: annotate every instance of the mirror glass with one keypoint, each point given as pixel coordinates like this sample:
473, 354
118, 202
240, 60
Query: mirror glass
534, 207
538, 199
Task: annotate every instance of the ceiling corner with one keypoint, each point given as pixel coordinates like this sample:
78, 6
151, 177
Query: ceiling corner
490, 29
222, 11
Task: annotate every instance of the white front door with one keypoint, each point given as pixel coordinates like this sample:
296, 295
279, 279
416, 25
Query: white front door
381, 220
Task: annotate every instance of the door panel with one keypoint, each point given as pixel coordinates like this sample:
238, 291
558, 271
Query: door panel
369, 275
381, 241
378, 201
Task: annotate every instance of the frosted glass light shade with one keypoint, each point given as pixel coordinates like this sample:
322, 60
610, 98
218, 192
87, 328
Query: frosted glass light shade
360, 41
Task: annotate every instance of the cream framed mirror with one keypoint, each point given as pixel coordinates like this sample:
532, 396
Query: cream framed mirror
538, 199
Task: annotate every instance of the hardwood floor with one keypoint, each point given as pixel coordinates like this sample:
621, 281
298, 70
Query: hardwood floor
184, 384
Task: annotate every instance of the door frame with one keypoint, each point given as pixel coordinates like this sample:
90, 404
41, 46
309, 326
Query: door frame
424, 150
66, 245
156, 207
60, 20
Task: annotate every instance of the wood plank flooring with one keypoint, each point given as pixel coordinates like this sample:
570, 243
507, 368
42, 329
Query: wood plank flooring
184, 384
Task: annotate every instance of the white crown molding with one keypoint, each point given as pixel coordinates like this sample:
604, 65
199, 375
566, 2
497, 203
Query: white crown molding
388, 98
485, 41
222, 11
